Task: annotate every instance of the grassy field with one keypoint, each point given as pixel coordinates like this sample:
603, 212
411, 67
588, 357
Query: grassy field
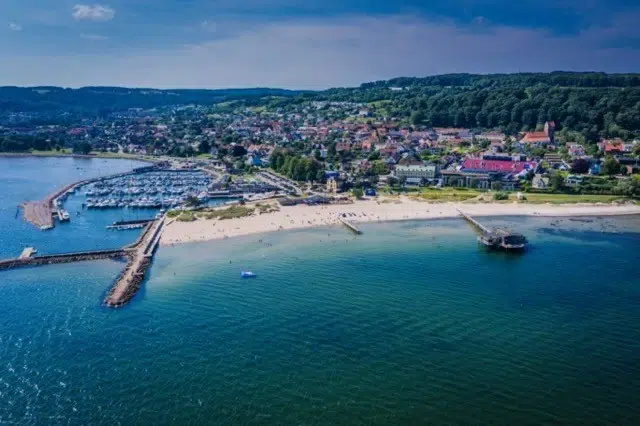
568, 198
231, 212
462, 194
445, 194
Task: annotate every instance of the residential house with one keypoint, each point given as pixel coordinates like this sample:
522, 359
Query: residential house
576, 150
573, 180
332, 185
613, 146
343, 146
540, 182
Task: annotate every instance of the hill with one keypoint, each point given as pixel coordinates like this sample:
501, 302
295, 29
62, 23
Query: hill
101, 101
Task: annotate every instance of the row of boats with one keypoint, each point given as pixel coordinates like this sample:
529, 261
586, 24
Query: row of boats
147, 190
141, 203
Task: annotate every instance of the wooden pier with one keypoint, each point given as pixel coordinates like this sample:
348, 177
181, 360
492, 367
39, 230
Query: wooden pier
474, 222
350, 225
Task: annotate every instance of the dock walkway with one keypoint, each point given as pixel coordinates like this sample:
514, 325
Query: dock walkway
349, 225
27, 253
473, 221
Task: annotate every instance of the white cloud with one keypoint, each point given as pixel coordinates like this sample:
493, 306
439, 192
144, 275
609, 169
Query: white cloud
95, 37
15, 27
96, 12
338, 52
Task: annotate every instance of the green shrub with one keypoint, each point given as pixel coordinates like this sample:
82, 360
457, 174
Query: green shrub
500, 196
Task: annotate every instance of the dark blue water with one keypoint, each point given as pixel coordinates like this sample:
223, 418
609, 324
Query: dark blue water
410, 323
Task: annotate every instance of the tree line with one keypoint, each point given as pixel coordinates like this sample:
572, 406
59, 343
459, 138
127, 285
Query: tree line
296, 167
23, 144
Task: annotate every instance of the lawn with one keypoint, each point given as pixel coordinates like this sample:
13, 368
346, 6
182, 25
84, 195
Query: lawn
445, 194
568, 198
231, 212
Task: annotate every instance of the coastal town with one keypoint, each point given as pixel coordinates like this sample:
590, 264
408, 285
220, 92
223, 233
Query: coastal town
328, 148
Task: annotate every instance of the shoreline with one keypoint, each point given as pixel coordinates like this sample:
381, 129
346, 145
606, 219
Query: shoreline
81, 156
304, 217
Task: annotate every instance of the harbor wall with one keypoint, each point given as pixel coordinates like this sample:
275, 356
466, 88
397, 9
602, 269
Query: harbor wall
61, 258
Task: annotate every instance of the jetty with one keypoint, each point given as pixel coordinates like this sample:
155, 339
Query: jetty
350, 225
139, 255
474, 222
24, 261
140, 259
497, 238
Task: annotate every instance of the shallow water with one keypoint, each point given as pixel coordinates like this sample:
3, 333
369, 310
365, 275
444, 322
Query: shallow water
410, 323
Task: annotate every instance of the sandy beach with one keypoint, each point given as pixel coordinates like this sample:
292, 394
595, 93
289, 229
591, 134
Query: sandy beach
302, 216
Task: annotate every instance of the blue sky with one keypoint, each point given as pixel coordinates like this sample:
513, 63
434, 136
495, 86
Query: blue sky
306, 44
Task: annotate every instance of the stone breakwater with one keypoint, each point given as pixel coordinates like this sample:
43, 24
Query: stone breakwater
133, 278
62, 258
139, 255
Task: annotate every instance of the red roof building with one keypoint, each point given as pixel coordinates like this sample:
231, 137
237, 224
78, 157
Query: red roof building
480, 165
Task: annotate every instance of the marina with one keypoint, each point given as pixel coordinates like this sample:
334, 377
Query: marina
41, 213
156, 189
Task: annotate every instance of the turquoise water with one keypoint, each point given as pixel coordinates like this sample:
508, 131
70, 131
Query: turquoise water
410, 323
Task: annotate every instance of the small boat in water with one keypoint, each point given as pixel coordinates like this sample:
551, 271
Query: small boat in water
247, 274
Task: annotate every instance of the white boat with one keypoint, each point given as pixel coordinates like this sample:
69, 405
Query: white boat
247, 274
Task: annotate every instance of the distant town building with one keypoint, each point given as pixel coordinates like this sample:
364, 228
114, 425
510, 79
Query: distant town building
332, 186
543, 138
417, 172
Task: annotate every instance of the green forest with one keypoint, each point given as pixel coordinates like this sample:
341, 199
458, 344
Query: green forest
592, 104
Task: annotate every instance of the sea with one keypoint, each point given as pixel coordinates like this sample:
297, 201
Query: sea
410, 323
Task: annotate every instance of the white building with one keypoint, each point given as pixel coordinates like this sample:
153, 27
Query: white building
417, 172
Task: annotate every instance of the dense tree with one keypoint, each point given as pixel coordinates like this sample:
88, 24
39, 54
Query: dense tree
580, 165
192, 201
296, 167
23, 144
204, 147
238, 151
557, 181
417, 118
590, 104
81, 148
610, 166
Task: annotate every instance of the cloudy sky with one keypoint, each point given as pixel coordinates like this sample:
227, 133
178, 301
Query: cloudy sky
306, 44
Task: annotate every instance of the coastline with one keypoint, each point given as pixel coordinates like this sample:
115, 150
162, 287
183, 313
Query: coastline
150, 160
302, 216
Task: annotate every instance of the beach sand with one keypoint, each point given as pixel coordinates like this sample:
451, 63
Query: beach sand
302, 216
